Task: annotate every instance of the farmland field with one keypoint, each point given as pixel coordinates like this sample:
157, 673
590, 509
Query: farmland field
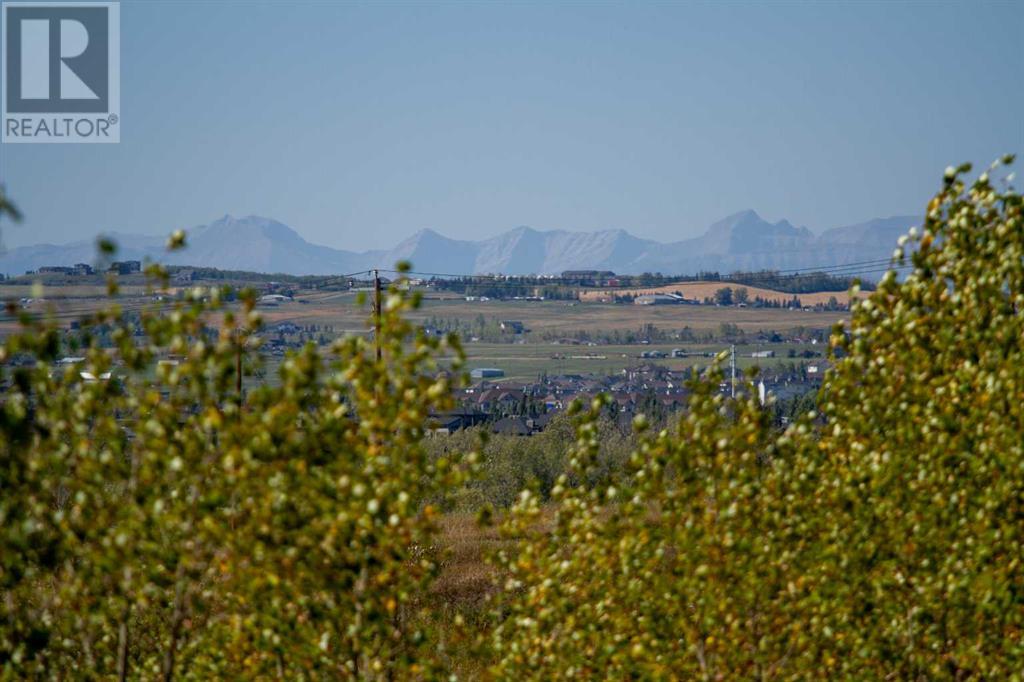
701, 290
522, 356
341, 310
526, 361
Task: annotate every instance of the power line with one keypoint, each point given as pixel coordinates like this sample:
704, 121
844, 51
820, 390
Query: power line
766, 277
769, 277
823, 268
376, 313
835, 270
817, 269
782, 271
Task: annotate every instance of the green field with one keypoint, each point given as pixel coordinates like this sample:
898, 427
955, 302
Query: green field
526, 361
535, 353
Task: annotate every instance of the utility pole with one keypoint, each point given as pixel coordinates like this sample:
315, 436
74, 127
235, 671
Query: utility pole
238, 363
376, 312
732, 362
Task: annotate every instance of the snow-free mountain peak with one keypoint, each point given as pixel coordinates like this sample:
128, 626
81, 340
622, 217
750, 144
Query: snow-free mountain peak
741, 241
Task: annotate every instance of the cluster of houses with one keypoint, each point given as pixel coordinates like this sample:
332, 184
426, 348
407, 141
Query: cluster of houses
591, 278
522, 408
282, 337
76, 269
125, 267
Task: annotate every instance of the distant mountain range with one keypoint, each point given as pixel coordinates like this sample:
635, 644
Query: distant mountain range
741, 242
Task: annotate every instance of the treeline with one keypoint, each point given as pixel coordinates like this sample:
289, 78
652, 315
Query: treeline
505, 287
801, 283
559, 288
726, 332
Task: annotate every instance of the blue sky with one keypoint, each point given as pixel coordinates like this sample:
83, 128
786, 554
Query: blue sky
358, 124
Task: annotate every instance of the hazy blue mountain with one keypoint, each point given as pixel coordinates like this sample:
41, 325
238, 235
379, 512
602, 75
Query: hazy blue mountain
742, 241
879, 230
22, 259
429, 252
251, 243
747, 233
261, 245
525, 250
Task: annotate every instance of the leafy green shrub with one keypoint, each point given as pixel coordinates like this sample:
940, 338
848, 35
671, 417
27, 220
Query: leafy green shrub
510, 464
159, 523
162, 523
884, 541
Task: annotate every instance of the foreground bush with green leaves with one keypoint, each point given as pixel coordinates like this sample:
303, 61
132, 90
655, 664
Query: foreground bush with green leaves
157, 524
161, 524
885, 540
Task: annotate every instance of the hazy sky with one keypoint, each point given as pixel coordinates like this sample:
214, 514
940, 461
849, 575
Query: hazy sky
360, 124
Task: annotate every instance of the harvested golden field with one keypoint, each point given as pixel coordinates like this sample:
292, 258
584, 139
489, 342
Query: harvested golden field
702, 290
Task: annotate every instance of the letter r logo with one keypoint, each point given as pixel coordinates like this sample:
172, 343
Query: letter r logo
57, 58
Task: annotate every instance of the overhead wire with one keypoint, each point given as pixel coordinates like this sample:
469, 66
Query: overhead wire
849, 270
